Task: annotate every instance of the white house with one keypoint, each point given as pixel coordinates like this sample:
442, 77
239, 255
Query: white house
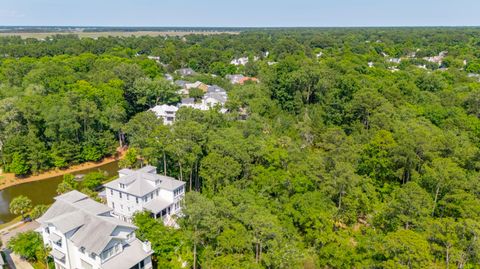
155, 58
185, 72
144, 189
82, 233
215, 96
437, 59
240, 61
166, 112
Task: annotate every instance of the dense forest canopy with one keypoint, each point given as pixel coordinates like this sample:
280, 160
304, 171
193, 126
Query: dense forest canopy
359, 148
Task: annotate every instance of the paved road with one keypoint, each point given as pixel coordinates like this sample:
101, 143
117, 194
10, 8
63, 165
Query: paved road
29, 226
14, 261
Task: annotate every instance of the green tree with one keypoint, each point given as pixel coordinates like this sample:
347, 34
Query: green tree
406, 249
19, 164
28, 245
38, 211
20, 205
153, 92
130, 160
218, 171
68, 184
408, 207
93, 180
195, 93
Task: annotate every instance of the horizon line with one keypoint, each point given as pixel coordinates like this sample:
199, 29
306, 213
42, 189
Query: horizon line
246, 27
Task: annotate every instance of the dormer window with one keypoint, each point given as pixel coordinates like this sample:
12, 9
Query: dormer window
122, 186
157, 182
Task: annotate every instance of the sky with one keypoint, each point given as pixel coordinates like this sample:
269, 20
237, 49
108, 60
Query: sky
240, 13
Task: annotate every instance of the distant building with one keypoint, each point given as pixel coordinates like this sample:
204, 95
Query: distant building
240, 79
437, 59
395, 60
215, 96
82, 233
235, 79
166, 112
168, 77
196, 85
370, 64
240, 61
155, 58
144, 189
185, 72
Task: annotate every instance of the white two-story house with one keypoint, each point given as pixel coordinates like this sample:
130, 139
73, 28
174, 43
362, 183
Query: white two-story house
166, 112
144, 189
82, 233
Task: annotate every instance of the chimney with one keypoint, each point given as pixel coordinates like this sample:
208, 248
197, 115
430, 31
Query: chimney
147, 246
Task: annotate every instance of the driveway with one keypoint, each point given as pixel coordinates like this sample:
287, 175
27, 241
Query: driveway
15, 262
24, 227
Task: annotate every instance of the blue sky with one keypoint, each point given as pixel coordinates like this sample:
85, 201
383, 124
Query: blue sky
262, 13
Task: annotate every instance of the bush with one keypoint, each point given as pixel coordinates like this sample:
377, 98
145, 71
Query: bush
27, 245
93, 180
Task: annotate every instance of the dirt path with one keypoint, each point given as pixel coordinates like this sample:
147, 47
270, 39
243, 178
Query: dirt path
8, 179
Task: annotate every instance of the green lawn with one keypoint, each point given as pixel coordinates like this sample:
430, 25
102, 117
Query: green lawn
13, 221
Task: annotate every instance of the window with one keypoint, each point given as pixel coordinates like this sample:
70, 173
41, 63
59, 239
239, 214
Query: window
120, 195
121, 206
110, 252
157, 182
177, 192
111, 191
58, 243
122, 186
113, 205
92, 255
136, 198
47, 230
151, 195
145, 198
128, 197
157, 192
82, 250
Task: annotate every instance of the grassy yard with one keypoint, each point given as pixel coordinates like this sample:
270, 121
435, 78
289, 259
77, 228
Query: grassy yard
13, 221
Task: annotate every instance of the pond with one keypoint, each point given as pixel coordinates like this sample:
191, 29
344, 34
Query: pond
43, 191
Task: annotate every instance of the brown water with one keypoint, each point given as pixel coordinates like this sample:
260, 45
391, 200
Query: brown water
43, 191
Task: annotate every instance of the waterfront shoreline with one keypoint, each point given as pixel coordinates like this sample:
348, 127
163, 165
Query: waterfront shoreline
9, 180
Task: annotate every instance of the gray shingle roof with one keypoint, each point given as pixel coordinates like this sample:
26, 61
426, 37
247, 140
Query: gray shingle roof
143, 181
91, 221
188, 101
216, 89
156, 205
132, 254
